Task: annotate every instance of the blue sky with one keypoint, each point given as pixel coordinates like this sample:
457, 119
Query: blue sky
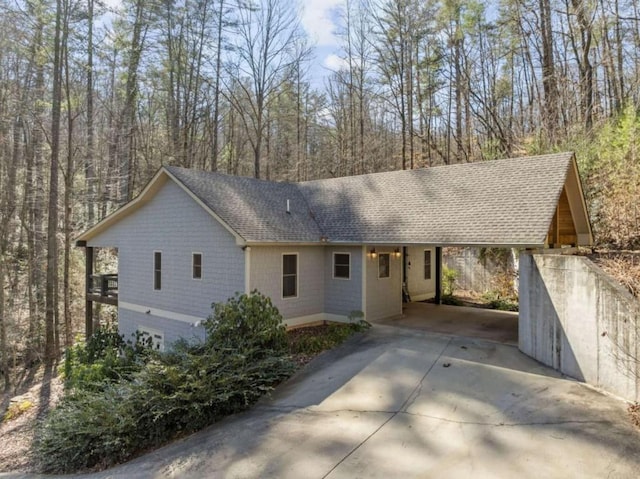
318, 18
319, 21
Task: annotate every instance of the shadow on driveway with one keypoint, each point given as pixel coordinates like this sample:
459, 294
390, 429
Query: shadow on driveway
396, 402
501, 326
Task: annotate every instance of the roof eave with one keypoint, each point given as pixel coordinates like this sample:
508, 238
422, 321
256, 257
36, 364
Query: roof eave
399, 242
584, 238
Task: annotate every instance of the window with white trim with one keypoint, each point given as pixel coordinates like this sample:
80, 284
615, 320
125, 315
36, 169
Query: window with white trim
341, 265
157, 270
196, 265
290, 275
427, 264
152, 337
383, 265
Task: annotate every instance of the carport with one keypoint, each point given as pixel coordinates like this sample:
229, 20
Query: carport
499, 326
525, 203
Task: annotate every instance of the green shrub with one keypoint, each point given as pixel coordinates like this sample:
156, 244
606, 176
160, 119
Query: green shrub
449, 278
245, 356
450, 300
87, 429
328, 337
200, 389
248, 323
16, 410
494, 300
104, 358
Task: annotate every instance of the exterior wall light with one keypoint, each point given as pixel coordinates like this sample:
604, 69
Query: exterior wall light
373, 253
396, 252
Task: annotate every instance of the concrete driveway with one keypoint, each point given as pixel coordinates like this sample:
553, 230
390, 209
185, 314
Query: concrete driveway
403, 403
501, 326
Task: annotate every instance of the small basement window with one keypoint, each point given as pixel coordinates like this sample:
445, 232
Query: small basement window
383, 265
196, 265
427, 264
289, 275
153, 337
157, 270
341, 265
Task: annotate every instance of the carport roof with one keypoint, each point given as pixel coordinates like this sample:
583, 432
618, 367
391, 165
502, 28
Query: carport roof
501, 202
508, 202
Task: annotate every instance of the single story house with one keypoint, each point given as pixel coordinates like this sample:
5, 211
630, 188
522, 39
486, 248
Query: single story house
319, 249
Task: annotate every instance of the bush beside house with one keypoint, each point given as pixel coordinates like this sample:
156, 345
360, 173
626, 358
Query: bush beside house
123, 399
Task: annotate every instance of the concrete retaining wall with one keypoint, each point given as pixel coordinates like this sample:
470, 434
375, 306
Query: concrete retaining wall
576, 319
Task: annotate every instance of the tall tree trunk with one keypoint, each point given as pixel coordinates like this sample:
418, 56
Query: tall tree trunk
583, 56
34, 195
68, 197
89, 171
7, 212
52, 225
127, 147
549, 86
216, 93
4, 350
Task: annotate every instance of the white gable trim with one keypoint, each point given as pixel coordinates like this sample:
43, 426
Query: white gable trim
147, 194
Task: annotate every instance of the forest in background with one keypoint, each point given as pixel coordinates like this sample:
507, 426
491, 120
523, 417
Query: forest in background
94, 99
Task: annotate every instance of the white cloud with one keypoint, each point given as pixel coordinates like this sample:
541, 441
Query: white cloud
334, 63
114, 4
318, 20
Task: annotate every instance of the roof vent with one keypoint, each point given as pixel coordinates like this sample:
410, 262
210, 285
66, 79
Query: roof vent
288, 210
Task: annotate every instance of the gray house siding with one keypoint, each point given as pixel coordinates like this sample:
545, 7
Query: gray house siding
174, 224
383, 295
266, 277
131, 321
419, 287
342, 296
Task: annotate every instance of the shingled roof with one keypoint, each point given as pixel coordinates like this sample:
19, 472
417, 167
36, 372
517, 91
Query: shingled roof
507, 202
255, 209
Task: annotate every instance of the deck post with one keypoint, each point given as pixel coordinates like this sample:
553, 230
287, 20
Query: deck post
88, 256
438, 298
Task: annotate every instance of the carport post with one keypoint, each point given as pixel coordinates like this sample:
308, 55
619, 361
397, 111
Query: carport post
88, 262
438, 298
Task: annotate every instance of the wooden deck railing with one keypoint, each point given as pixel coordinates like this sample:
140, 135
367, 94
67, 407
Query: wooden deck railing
104, 285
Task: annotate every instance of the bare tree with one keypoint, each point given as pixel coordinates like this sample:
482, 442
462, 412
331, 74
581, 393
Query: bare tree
51, 297
266, 48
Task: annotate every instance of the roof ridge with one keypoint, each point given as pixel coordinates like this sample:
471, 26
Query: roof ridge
564, 155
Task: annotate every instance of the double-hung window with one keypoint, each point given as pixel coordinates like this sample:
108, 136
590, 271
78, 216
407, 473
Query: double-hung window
341, 265
290, 275
196, 266
384, 264
427, 264
157, 270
